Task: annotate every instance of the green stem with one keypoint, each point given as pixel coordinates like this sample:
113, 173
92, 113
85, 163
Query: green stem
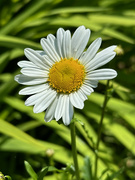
100, 130
74, 152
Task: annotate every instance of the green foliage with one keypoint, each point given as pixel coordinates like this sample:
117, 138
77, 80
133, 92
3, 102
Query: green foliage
2, 177
114, 175
43, 173
24, 136
87, 169
30, 170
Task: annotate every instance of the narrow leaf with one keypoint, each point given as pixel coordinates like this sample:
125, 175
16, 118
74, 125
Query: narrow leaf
116, 174
30, 170
32, 8
11, 41
42, 173
87, 169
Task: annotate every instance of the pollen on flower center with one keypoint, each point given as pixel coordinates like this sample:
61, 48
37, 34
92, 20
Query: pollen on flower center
67, 75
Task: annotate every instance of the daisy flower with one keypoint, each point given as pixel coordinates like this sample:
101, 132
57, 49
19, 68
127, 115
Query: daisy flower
61, 76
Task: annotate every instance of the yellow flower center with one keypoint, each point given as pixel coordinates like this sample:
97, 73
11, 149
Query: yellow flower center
67, 75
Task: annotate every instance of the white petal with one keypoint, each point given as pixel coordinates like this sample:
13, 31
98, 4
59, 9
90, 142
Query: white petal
102, 74
71, 111
45, 101
98, 61
106, 50
86, 89
33, 89
49, 115
91, 51
35, 57
49, 62
60, 34
34, 72
45, 59
50, 50
51, 38
92, 83
81, 94
59, 107
76, 100
79, 41
34, 98
42, 53
24, 63
67, 44
68, 111
26, 80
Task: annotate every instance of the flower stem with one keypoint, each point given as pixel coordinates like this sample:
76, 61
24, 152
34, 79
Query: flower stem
74, 152
100, 130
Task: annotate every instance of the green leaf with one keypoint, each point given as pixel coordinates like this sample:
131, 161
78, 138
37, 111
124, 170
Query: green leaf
53, 169
15, 42
61, 130
7, 86
30, 170
9, 55
87, 169
33, 7
116, 174
25, 143
76, 10
77, 20
112, 19
14, 132
116, 86
42, 173
103, 173
123, 135
124, 109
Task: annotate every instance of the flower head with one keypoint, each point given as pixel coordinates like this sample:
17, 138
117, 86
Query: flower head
62, 75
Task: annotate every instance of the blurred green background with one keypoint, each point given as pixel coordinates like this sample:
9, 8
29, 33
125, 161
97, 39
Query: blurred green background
23, 134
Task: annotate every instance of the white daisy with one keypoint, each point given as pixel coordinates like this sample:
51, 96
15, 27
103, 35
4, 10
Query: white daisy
62, 75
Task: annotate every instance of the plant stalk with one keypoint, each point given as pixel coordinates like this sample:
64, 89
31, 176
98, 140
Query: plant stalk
74, 151
100, 131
